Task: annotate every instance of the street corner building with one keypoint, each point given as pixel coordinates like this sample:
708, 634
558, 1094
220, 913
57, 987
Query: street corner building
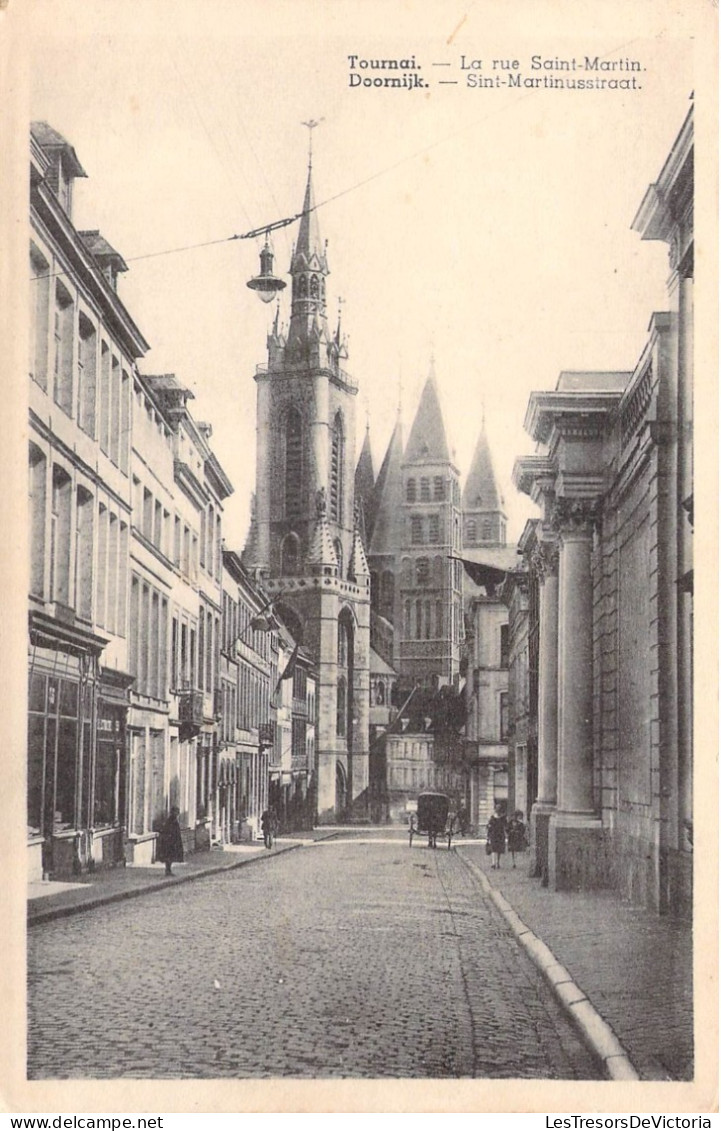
305, 544
609, 619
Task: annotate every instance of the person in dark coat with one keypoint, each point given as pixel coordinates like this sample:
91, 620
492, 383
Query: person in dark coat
170, 842
496, 835
516, 831
266, 824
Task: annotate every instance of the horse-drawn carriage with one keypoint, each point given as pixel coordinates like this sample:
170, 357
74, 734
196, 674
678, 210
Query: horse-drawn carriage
432, 819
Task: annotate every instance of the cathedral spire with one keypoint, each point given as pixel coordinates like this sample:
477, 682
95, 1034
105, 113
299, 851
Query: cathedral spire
427, 440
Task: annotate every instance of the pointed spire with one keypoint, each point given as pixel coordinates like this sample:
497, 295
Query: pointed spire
427, 440
388, 496
359, 563
365, 487
481, 489
321, 553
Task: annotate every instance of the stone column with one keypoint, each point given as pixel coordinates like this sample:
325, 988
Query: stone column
545, 565
575, 844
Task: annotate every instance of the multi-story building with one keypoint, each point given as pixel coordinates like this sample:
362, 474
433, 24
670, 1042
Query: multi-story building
125, 513
175, 609
248, 677
83, 350
613, 478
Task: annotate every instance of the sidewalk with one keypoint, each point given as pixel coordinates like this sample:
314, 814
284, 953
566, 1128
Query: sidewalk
634, 967
54, 900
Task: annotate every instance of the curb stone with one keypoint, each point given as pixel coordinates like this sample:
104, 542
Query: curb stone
597, 1033
35, 918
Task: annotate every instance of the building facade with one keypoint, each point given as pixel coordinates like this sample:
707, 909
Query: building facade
613, 479
125, 505
83, 350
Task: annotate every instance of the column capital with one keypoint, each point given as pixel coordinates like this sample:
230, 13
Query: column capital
544, 560
575, 516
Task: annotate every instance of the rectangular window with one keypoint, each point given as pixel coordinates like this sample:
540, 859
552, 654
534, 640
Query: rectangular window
425, 490
87, 375
39, 317
504, 646
134, 628
63, 368
105, 398
503, 712
38, 494
434, 529
84, 553
115, 412
111, 619
62, 504
125, 424
438, 488
176, 542
121, 626
416, 530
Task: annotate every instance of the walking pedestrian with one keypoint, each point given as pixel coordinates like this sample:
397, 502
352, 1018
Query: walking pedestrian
170, 842
496, 835
516, 831
266, 824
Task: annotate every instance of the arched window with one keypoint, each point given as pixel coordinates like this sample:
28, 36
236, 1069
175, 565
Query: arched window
380, 693
411, 491
422, 572
302, 286
293, 463
471, 531
486, 534
425, 490
314, 286
336, 470
290, 555
341, 716
338, 547
344, 697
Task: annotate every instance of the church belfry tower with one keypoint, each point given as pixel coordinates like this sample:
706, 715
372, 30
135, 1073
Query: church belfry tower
428, 614
304, 542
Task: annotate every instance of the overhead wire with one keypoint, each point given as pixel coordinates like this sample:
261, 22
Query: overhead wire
275, 225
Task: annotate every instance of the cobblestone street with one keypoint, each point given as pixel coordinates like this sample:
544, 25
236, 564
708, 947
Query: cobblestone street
351, 957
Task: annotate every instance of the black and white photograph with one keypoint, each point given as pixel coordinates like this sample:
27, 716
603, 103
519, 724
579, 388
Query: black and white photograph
354, 701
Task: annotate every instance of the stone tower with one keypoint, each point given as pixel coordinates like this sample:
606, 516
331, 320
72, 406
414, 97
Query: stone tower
384, 545
484, 519
305, 542
428, 606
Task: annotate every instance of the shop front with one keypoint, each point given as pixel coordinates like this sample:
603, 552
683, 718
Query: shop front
76, 752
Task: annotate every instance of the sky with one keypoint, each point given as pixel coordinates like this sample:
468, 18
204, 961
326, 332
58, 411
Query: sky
490, 228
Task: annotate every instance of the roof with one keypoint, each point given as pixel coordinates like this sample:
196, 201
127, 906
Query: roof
49, 138
481, 490
388, 496
378, 666
427, 441
578, 381
98, 246
365, 486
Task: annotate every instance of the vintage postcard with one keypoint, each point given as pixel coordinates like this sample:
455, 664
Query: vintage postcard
361, 484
